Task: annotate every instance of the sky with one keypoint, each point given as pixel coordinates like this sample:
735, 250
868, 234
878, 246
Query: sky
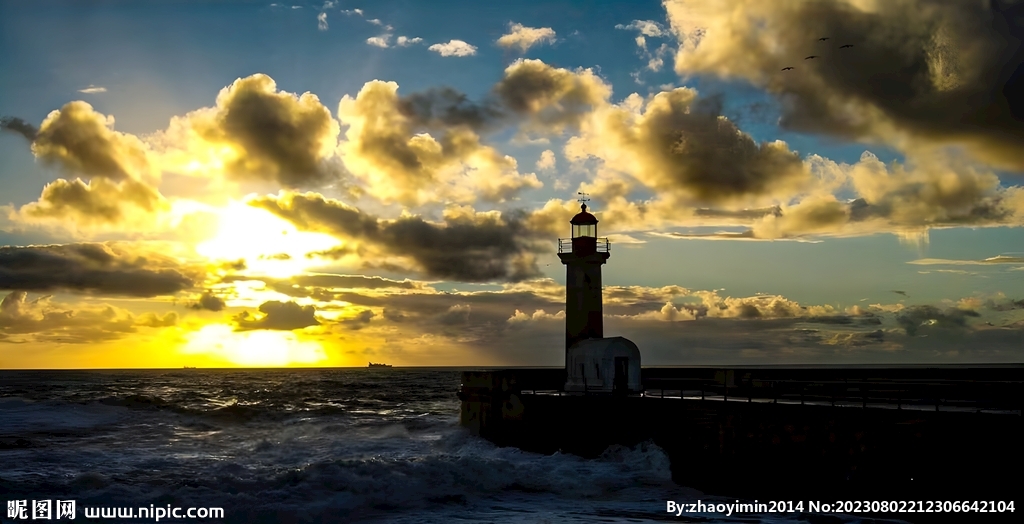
258, 184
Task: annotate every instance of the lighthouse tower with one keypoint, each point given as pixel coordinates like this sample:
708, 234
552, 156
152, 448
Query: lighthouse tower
593, 364
583, 255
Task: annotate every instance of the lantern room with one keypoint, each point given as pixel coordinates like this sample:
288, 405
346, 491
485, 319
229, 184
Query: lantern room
584, 232
584, 224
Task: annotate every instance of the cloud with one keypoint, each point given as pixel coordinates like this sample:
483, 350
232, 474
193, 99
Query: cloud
321, 21
681, 146
256, 132
456, 315
442, 107
122, 168
538, 316
554, 99
93, 90
940, 72
325, 287
405, 41
96, 203
759, 306
153, 320
523, 38
999, 259
283, 316
923, 320
83, 142
351, 282
645, 27
100, 268
454, 48
19, 126
360, 320
379, 41
466, 247
654, 60
42, 320
350, 12
387, 150
546, 162
209, 302
929, 193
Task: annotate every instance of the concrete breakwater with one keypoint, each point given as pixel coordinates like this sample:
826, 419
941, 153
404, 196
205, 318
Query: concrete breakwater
913, 431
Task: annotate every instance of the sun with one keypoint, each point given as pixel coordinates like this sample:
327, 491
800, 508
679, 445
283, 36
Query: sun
270, 245
262, 348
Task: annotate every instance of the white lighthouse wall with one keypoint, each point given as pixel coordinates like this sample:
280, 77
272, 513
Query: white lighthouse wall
591, 365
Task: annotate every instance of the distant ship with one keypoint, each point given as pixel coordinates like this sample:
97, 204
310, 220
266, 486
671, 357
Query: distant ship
376, 365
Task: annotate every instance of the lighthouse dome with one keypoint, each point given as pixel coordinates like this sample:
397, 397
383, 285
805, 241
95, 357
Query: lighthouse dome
583, 217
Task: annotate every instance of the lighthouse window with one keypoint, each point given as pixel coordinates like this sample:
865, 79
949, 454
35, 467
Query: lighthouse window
584, 230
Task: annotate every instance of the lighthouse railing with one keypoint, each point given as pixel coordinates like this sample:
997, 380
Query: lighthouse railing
565, 245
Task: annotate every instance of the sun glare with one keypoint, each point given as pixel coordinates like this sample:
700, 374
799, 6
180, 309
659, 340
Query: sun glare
260, 348
270, 246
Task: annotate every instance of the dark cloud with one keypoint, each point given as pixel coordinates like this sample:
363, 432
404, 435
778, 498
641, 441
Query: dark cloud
284, 316
361, 320
443, 107
101, 268
468, 248
684, 145
743, 214
277, 136
352, 282
554, 99
683, 148
925, 319
324, 287
939, 70
19, 126
209, 302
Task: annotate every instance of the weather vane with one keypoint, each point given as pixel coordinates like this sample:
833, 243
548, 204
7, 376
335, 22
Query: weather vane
583, 197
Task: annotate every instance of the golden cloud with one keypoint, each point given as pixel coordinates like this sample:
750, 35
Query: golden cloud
256, 132
384, 150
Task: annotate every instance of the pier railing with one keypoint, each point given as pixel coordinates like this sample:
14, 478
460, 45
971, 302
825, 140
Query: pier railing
936, 388
933, 388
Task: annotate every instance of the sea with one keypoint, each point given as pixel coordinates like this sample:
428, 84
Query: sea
304, 445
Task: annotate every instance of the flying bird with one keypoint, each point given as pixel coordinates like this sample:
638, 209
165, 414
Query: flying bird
845, 46
810, 57
904, 293
823, 39
787, 68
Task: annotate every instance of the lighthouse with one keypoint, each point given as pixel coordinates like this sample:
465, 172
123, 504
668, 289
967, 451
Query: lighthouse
583, 255
593, 364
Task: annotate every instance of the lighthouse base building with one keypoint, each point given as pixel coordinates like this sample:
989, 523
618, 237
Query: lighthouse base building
603, 365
